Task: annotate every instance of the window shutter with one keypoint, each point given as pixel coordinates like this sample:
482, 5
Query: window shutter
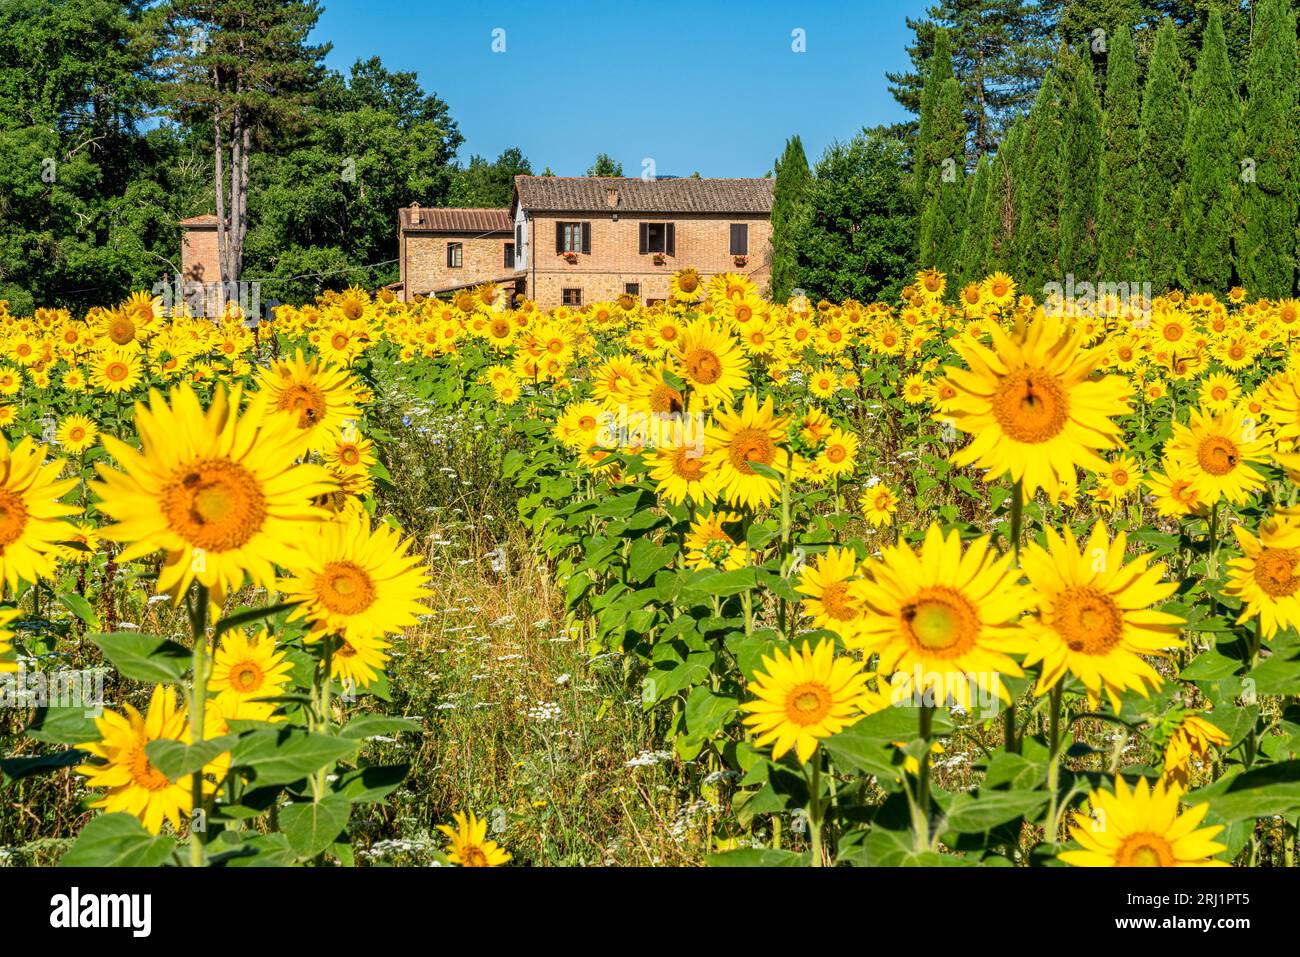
586, 237
450, 247
740, 239
645, 238
670, 239
559, 237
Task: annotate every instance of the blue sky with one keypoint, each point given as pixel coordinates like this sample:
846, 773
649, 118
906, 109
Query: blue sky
703, 85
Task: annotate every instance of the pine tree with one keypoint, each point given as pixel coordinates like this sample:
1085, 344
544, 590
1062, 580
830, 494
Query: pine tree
789, 194
1039, 200
1119, 196
1080, 159
1208, 199
1160, 137
1270, 189
938, 72
942, 222
975, 242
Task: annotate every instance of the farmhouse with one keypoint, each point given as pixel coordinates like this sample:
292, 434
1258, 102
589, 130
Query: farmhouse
576, 240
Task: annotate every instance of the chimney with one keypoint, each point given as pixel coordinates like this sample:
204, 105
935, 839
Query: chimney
611, 196
417, 215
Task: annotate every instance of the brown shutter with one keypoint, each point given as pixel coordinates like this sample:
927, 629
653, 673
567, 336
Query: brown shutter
670, 240
559, 237
586, 238
740, 239
645, 238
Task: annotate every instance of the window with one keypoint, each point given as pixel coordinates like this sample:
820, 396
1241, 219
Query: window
658, 238
573, 237
571, 297
510, 255
519, 235
632, 289
453, 255
740, 239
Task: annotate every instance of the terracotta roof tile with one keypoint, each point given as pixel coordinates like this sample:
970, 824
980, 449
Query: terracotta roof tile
635, 195
205, 220
447, 220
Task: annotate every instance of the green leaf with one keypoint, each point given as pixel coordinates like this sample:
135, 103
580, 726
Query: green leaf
81, 607
858, 749
371, 784
262, 850
975, 815
707, 712
149, 658
370, 725
63, 726
312, 826
646, 558
285, 755
15, 769
176, 759
757, 857
250, 616
1260, 793
117, 840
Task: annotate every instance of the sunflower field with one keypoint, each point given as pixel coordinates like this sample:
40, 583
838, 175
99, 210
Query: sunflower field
962, 579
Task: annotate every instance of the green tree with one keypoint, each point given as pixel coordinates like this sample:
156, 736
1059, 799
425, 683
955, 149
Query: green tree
605, 166
1160, 135
1270, 190
938, 72
486, 185
1079, 171
1119, 191
789, 194
975, 240
1038, 199
998, 229
945, 196
856, 231
244, 71
1208, 199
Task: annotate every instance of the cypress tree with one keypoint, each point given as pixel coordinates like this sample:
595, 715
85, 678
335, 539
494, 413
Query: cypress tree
1000, 206
1039, 207
1080, 159
1119, 191
1270, 182
789, 193
938, 72
975, 242
1211, 155
1160, 137
945, 194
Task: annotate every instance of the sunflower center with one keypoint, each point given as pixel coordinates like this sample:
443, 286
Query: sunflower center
116, 371
941, 621
214, 504
664, 398
306, 400
473, 856
835, 600
145, 774
121, 330
704, 366
1217, 455
717, 550
1145, 849
345, 588
751, 445
246, 676
836, 454
500, 328
688, 282
1031, 406
349, 455
687, 466
1087, 619
1275, 571
808, 703
13, 518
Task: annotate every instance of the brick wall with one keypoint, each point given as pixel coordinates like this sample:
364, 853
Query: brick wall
199, 260
425, 268
702, 241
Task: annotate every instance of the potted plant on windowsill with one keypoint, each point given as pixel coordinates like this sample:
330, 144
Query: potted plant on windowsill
571, 257
659, 259
740, 260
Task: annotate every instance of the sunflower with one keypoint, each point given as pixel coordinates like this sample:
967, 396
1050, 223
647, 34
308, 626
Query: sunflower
839, 454
915, 389
76, 433
1032, 406
469, 844
1191, 740
878, 504
1173, 491
944, 612
711, 363
1142, 828
804, 696
359, 661
221, 495
133, 784
1093, 614
999, 289
79, 544
828, 600
1219, 451
710, 546
1267, 575
742, 439
686, 285
246, 668
823, 383
356, 582
321, 396
31, 515
7, 615
1118, 482
1219, 391
115, 372
683, 470
349, 452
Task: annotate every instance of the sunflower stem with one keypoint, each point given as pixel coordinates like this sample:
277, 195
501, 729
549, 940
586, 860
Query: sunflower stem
814, 810
922, 814
198, 703
1212, 554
